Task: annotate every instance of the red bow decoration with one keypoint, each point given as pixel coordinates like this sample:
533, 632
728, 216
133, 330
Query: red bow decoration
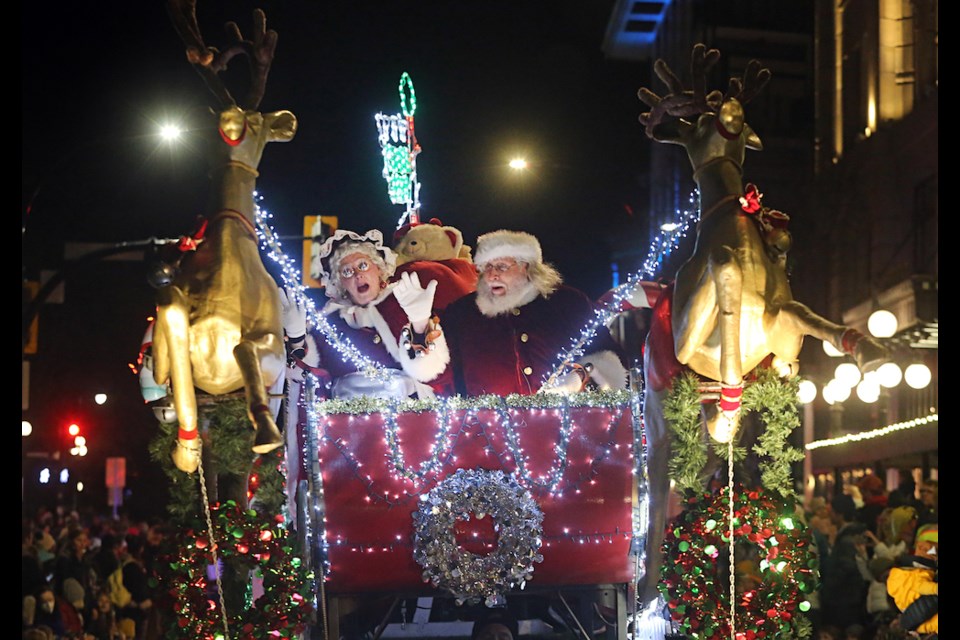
191, 242
750, 200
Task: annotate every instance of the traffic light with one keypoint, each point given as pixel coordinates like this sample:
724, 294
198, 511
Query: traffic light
78, 440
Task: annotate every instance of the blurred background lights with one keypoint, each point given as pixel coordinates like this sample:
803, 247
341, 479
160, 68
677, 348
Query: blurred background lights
868, 390
831, 350
882, 324
917, 375
100, 398
847, 374
25, 428
889, 375
807, 392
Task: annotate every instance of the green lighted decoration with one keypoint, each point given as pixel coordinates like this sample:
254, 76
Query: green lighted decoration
399, 146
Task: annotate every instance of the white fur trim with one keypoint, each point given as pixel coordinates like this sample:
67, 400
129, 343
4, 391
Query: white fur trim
431, 364
608, 372
518, 245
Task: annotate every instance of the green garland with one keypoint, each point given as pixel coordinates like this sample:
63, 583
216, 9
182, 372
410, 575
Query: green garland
774, 399
776, 570
365, 405
231, 436
252, 542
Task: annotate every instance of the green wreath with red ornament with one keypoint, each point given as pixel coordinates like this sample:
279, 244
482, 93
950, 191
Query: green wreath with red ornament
253, 542
775, 567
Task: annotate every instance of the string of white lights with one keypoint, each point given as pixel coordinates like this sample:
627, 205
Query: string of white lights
660, 248
875, 433
292, 282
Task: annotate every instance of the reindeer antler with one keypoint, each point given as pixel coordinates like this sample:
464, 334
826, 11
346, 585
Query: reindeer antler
210, 62
680, 102
755, 78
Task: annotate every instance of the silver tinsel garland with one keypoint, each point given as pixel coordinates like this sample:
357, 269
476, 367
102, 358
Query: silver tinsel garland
517, 521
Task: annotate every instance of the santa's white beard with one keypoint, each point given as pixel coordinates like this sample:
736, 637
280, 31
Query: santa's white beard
491, 305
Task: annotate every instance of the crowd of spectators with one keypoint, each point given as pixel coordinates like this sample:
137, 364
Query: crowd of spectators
66, 567
863, 534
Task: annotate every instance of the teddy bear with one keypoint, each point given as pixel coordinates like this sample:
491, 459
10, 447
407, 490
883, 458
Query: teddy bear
436, 252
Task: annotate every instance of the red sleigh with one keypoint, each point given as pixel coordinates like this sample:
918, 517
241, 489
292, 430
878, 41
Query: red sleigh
369, 469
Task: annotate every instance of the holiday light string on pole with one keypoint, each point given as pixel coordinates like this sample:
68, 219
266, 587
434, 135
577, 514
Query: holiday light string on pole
399, 147
661, 247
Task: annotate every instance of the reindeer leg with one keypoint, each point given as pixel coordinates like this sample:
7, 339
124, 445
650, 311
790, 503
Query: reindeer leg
693, 320
173, 331
799, 320
727, 276
249, 354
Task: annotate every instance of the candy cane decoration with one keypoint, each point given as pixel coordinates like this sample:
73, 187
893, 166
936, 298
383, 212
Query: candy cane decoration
399, 146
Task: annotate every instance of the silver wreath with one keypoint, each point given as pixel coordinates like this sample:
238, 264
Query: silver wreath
517, 520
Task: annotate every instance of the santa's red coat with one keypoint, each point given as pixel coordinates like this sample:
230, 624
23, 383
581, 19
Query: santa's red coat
517, 351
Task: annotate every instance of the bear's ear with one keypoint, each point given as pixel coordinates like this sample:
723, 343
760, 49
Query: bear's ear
456, 238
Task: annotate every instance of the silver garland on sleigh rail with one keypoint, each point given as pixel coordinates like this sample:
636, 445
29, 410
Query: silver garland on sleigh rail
517, 521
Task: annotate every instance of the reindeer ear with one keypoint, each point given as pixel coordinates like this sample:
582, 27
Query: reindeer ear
282, 125
752, 139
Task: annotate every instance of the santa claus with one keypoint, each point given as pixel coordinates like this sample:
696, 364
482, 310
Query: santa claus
506, 337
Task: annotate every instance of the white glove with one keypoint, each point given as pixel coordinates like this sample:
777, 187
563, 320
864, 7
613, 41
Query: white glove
294, 315
570, 382
416, 301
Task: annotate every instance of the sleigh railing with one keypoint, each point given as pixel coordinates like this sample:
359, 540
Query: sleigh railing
374, 462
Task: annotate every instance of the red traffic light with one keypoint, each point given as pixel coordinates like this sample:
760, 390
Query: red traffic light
73, 429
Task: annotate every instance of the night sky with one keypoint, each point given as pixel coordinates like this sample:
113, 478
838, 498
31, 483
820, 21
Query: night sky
492, 79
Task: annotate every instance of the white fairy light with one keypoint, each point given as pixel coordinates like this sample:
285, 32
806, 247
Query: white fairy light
661, 247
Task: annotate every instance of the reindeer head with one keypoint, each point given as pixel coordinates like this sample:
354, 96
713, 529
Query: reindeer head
243, 130
709, 125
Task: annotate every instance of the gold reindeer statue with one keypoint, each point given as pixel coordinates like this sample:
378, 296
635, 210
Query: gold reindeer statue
219, 326
731, 307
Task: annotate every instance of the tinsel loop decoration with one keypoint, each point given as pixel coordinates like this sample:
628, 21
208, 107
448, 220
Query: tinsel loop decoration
517, 521
776, 567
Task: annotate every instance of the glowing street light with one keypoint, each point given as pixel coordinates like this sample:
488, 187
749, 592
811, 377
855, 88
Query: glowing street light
518, 164
170, 132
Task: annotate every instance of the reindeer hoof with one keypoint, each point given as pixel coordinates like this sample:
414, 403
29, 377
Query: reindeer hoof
721, 425
268, 436
187, 455
870, 354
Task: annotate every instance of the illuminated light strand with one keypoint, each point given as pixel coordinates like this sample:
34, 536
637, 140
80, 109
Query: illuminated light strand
559, 465
661, 247
641, 507
402, 543
367, 406
875, 433
440, 449
316, 539
292, 282
399, 148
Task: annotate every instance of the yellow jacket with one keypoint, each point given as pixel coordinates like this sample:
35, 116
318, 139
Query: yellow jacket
906, 584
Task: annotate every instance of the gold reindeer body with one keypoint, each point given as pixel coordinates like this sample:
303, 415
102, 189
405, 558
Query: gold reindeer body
219, 326
732, 307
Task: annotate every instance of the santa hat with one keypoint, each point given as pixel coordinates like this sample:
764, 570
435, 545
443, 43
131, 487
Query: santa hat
519, 245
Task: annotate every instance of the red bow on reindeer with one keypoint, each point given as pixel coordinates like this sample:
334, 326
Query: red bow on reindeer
768, 219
